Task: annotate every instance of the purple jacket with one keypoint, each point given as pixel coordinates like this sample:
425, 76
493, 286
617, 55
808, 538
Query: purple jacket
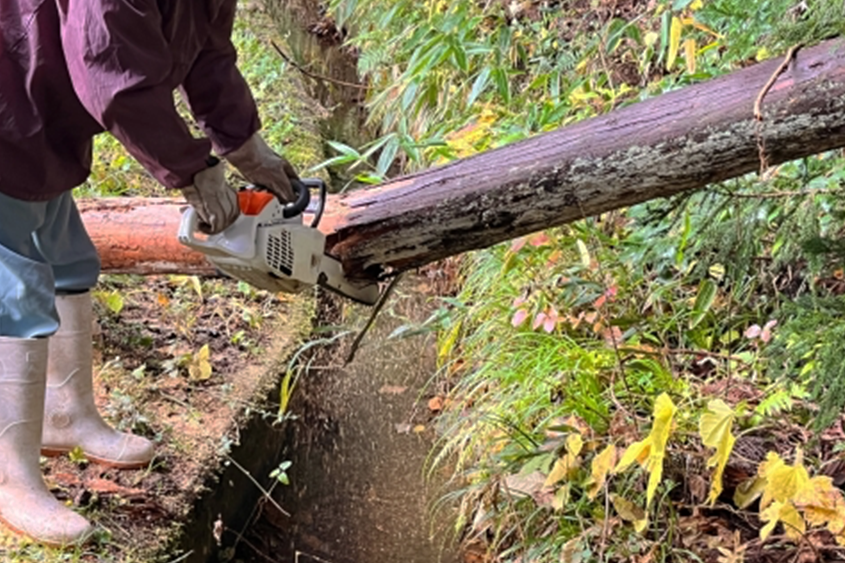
70, 69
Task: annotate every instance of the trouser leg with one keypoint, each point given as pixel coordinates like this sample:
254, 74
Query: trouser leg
44, 248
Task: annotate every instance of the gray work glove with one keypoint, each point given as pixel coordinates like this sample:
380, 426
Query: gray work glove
261, 166
212, 198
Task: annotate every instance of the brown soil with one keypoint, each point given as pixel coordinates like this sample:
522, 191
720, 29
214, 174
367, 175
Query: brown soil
148, 382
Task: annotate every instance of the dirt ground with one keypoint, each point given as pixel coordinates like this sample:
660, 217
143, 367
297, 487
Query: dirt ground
362, 489
154, 378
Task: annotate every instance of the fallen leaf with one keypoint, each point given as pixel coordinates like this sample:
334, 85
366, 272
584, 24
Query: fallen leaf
561, 498
66, 479
714, 427
600, 467
435, 404
629, 512
783, 482
526, 485
749, 491
782, 512
392, 390
199, 368
104, 486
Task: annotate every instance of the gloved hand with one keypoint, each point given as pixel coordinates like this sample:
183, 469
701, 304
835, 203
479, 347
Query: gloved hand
261, 166
212, 198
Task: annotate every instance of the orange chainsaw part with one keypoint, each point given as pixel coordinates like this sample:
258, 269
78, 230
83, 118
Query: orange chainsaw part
252, 202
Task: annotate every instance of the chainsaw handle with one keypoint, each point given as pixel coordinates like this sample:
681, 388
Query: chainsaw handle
311, 183
303, 198
187, 234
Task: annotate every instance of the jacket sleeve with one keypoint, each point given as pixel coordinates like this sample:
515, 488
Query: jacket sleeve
217, 93
120, 65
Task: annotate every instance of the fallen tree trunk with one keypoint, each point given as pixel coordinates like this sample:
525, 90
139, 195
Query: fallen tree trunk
675, 142
138, 236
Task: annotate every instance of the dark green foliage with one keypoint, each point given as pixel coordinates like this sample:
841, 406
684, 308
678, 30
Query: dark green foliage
808, 22
810, 347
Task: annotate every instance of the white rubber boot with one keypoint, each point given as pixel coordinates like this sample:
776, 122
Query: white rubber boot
71, 418
26, 505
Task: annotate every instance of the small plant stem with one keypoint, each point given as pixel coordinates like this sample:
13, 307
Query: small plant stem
620, 364
308, 555
376, 310
758, 106
683, 352
778, 195
758, 103
182, 557
264, 491
253, 547
313, 75
605, 525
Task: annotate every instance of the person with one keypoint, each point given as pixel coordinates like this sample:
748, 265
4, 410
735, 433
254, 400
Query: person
69, 70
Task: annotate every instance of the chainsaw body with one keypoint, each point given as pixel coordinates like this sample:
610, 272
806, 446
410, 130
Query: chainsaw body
270, 247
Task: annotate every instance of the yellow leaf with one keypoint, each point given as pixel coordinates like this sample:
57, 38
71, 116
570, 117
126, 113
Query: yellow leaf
584, 253
200, 366
772, 462
197, 285
651, 451
770, 516
574, 443
689, 55
696, 5
599, 469
561, 498
445, 349
715, 431
638, 451
562, 468
630, 512
571, 552
793, 524
664, 412
820, 501
783, 482
674, 42
698, 25
748, 491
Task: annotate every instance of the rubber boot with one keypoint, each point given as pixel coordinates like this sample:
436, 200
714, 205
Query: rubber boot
26, 505
71, 418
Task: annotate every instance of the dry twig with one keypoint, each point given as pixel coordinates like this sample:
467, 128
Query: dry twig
758, 104
376, 310
313, 75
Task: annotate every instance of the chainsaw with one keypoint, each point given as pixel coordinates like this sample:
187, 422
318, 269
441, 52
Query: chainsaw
270, 247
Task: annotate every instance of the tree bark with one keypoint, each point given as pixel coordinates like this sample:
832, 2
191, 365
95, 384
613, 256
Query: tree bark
138, 236
671, 143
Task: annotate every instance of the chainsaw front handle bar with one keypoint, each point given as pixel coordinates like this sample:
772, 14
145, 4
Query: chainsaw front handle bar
303, 198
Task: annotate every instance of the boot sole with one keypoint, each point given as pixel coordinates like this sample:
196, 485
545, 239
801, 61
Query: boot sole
54, 545
97, 460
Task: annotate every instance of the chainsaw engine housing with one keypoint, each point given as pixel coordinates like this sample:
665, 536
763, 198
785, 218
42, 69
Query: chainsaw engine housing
271, 249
